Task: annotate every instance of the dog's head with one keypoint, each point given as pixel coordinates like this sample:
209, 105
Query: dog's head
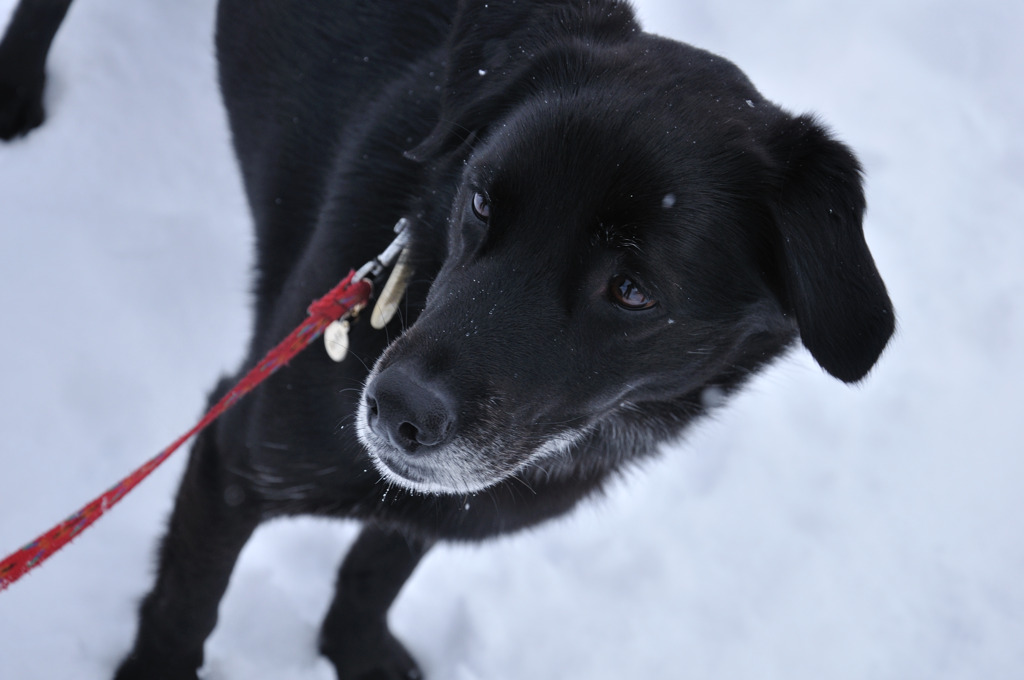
633, 227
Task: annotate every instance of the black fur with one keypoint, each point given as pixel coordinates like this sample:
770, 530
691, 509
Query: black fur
614, 169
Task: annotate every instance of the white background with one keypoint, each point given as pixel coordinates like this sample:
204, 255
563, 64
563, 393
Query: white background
811, 530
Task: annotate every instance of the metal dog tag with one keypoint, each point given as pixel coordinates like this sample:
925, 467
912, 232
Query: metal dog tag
336, 339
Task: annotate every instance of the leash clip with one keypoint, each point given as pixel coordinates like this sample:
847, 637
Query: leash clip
374, 267
336, 334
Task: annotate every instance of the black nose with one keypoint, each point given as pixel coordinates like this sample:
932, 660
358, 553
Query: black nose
408, 410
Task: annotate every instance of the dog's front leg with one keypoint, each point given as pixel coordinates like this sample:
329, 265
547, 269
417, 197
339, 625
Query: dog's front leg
23, 54
355, 635
210, 524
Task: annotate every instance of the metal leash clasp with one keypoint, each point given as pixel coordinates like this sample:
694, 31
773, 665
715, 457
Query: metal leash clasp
336, 334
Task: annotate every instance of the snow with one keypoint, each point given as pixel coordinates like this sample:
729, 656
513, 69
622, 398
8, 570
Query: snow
810, 530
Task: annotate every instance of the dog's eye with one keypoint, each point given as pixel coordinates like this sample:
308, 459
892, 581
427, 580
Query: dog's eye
627, 295
481, 206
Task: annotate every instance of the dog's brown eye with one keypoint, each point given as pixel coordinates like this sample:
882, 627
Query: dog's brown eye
481, 207
626, 294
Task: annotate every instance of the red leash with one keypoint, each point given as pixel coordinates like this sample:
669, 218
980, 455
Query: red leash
340, 302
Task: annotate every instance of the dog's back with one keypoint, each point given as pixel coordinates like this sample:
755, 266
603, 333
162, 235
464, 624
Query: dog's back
298, 79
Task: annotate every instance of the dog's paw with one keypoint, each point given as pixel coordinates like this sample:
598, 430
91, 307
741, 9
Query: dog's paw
379, 656
21, 105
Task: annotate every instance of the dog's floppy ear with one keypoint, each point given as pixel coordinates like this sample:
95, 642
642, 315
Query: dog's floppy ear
490, 50
830, 281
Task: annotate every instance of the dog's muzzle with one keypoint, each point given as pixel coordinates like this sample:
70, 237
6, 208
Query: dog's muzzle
409, 413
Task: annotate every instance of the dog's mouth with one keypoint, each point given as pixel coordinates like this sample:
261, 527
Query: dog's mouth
494, 451
403, 471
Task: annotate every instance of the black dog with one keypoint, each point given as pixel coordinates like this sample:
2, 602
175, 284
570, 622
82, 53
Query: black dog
607, 229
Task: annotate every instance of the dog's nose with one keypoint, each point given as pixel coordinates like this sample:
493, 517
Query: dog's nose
408, 410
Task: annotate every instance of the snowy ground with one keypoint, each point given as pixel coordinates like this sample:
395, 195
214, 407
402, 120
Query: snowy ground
811, 531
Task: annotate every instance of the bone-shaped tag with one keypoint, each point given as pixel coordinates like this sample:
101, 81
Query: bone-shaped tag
391, 296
